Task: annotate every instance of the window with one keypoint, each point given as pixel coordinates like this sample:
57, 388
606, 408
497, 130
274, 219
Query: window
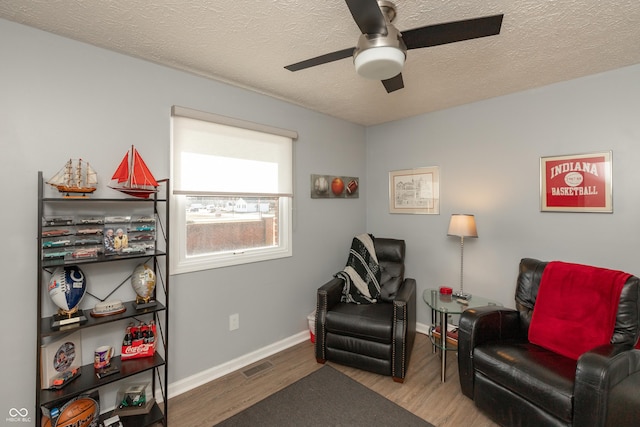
232, 188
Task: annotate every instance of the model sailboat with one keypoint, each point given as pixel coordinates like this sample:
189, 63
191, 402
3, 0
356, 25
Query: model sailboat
75, 179
133, 177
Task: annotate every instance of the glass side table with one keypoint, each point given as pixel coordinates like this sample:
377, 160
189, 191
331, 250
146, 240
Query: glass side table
442, 306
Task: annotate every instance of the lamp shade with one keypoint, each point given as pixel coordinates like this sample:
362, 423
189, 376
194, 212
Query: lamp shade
462, 225
379, 63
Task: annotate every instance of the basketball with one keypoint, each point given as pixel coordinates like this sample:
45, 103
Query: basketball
45, 422
78, 412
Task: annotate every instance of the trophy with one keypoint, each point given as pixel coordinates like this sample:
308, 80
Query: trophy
67, 287
143, 281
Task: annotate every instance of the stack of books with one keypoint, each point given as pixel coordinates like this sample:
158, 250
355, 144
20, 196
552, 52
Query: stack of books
452, 335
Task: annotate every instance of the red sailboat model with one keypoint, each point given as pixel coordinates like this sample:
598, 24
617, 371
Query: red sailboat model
133, 177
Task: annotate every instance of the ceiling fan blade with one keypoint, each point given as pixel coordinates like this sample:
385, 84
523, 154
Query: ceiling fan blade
368, 16
322, 59
394, 83
450, 32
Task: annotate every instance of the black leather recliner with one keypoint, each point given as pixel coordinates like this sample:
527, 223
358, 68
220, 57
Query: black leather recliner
517, 383
374, 337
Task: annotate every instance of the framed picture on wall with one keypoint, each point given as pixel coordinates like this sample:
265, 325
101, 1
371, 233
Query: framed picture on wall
415, 191
332, 187
576, 183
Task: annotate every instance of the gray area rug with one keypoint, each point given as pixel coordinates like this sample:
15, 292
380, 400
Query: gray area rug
325, 398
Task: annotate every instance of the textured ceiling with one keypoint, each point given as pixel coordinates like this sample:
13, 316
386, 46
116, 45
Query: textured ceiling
247, 43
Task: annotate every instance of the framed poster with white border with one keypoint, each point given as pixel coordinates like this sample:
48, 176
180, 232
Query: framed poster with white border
576, 183
415, 191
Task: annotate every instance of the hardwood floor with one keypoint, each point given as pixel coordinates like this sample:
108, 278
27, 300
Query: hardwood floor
422, 393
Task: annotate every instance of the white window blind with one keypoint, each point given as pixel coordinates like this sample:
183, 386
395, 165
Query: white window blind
217, 155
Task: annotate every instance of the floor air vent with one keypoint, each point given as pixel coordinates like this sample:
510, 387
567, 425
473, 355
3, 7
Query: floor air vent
255, 370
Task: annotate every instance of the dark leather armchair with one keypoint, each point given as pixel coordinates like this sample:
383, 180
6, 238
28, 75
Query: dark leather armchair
374, 337
517, 383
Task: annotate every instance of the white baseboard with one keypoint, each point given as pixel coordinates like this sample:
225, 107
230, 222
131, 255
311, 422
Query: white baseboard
189, 383
422, 328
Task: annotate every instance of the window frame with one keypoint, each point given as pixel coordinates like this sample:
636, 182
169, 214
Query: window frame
179, 261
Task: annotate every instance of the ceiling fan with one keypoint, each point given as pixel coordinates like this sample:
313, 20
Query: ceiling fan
381, 49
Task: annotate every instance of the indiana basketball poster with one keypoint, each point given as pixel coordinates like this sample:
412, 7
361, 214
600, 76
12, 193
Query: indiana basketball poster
576, 183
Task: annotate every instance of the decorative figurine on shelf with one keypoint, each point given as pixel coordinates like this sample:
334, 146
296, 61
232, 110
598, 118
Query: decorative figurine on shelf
108, 308
133, 177
143, 281
75, 179
67, 287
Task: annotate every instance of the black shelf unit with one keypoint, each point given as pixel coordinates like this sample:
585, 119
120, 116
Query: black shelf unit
52, 263
131, 311
157, 365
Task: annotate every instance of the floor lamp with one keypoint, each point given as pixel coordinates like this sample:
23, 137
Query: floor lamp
462, 225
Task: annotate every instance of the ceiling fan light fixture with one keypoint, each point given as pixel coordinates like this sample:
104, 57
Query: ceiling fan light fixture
379, 63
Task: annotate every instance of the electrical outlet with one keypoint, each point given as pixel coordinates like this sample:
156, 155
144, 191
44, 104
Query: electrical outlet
234, 322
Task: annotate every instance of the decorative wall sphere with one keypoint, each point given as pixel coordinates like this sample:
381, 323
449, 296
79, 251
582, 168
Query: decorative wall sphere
352, 186
143, 281
321, 185
67, 287
337, 186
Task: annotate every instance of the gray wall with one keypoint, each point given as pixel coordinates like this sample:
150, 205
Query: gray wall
61, 99
489, 154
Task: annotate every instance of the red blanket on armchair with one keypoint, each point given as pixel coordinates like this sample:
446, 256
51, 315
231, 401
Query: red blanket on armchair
576, 307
